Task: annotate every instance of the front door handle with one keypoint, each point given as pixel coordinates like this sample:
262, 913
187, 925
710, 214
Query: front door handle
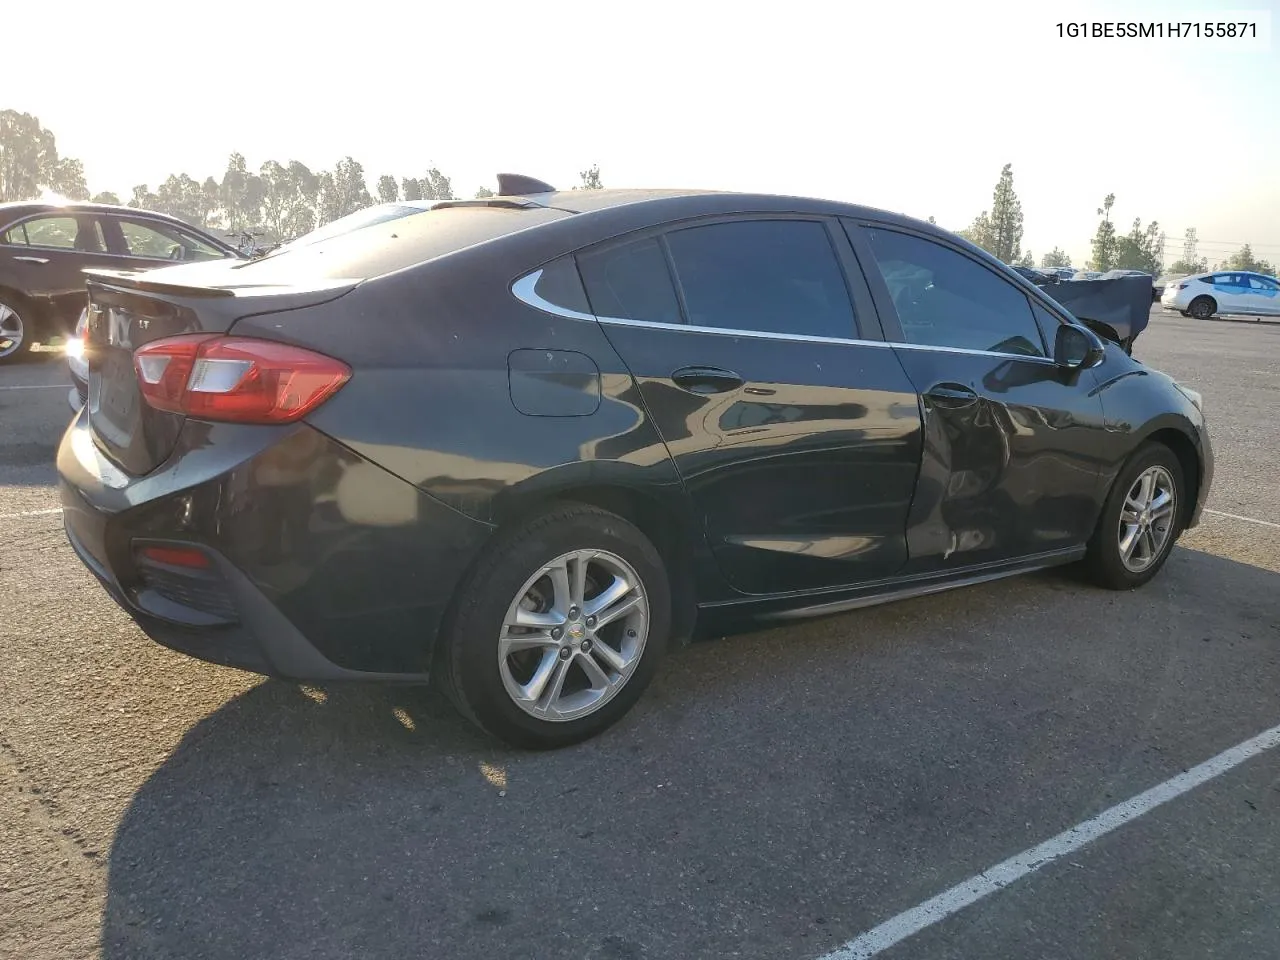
33, 259
706, 380
952, 396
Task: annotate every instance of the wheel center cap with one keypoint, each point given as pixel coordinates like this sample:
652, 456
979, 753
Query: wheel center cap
576, 632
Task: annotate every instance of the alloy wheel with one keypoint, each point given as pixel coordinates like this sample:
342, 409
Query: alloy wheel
12, 331
1147, 518
574, 635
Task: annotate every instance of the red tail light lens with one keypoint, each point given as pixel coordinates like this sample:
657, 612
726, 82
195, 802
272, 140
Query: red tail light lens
190, 557
237, 379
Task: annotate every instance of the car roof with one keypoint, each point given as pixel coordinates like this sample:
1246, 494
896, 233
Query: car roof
81, 206
22, 208
16, 209
537, 227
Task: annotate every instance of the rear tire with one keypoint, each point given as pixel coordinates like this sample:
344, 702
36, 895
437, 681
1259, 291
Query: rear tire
1139, 524
1202, 308
17, 328
521, 656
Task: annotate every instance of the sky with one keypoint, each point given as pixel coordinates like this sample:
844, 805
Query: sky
908, 106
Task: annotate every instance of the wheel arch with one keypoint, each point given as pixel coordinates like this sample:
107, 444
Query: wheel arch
1213, 302
23, 300
1189, 459
662, 521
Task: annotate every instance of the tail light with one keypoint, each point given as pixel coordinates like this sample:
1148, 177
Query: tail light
237, 379
75, 347
191, 558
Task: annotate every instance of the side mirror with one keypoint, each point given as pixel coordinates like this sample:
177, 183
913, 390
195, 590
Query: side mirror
1077, 348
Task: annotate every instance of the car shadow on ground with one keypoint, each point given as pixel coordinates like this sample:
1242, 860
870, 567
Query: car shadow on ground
773, 794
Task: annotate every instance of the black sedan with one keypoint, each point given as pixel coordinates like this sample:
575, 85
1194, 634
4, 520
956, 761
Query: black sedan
45, 246
524, 446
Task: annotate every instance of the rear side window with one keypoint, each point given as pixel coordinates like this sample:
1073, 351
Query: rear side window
630, 282
945, 299
555, 287
773, 276
55, 233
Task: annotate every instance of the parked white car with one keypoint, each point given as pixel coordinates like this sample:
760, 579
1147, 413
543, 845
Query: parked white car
1224, 293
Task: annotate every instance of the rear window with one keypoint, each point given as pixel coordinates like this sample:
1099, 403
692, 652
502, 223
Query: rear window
393, 245
367, 217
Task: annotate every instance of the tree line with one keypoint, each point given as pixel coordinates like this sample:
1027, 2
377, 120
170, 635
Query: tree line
999, 232
280, 201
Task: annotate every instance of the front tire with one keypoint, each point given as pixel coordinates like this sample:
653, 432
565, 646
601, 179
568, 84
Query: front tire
17, 331
1202, 308
1140, 521
557, 632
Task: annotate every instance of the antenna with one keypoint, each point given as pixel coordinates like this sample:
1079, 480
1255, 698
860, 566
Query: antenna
518, 185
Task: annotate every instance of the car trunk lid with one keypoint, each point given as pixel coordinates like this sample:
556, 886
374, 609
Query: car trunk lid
129, 310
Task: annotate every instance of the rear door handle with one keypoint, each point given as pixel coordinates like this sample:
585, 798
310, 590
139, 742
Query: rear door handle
706, 380
952, 396
33, 259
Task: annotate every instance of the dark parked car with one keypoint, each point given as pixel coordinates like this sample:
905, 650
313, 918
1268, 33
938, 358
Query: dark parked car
45, 246
526, 445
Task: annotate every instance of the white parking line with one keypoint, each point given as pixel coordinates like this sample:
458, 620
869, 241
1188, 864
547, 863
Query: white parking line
30, 513
1236, 516
38, 386
996, 878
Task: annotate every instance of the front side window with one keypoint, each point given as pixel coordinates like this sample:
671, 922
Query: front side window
1263, 283
773, 276
162, 241
630, 282
198, 249
945, 299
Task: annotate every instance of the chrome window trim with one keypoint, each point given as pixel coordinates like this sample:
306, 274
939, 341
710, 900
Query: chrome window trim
524, 291
734, 332
979, 353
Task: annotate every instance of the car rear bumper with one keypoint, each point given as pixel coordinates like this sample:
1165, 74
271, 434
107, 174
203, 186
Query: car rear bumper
78, 394
322, 566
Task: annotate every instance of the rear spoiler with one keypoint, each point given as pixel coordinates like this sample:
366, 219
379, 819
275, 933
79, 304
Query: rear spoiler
144, 281
216, 308
137, 280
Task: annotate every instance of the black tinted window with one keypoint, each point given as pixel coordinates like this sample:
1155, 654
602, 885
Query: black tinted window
557, 284
777, 276
944, 299
1047, 322
630, 282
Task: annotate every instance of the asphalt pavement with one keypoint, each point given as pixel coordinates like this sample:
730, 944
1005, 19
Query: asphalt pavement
774, 795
